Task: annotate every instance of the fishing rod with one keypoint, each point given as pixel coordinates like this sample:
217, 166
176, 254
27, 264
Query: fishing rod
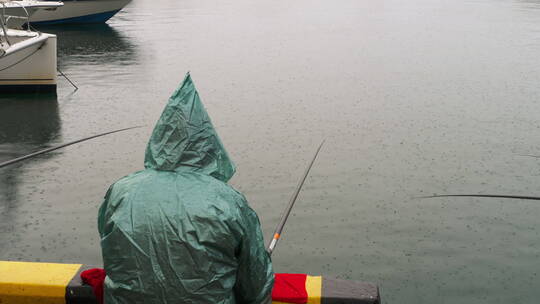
486, 195
285, 216
529, 155
18, 159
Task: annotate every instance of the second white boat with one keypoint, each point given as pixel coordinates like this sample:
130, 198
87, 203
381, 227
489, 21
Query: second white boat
80, 11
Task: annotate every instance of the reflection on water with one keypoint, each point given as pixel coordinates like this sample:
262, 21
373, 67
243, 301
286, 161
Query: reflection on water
27, 124
91, 44
533, 3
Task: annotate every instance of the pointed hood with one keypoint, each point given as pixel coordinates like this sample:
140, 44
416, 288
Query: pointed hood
185, 140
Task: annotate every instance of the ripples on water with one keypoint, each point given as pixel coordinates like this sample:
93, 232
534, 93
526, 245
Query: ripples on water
414, 98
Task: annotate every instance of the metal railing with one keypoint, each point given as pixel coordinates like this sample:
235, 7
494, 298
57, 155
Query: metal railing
4, 19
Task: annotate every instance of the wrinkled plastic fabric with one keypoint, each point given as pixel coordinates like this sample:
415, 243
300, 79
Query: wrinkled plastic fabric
176, 232
184, 139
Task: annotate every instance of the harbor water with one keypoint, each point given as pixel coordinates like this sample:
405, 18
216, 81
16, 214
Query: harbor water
414, 98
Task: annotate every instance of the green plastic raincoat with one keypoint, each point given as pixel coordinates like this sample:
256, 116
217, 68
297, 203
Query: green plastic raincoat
176, 232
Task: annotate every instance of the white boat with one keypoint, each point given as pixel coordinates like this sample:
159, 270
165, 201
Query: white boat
27, 60
17, 12
80, 11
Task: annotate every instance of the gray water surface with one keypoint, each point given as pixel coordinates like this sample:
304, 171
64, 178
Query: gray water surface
414, 98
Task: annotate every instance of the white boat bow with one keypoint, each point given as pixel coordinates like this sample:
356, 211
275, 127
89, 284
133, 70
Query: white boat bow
27, 61
76, 11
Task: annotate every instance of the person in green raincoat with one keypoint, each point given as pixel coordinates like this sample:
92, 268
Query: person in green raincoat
176, 232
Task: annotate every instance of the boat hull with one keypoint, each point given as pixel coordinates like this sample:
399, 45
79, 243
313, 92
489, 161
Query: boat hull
86, 11
31, 64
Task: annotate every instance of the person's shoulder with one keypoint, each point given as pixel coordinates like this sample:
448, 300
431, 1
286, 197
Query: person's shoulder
128, 182
130, 178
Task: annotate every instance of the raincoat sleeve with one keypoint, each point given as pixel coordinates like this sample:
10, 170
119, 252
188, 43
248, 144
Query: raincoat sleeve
255, 277
102, 214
